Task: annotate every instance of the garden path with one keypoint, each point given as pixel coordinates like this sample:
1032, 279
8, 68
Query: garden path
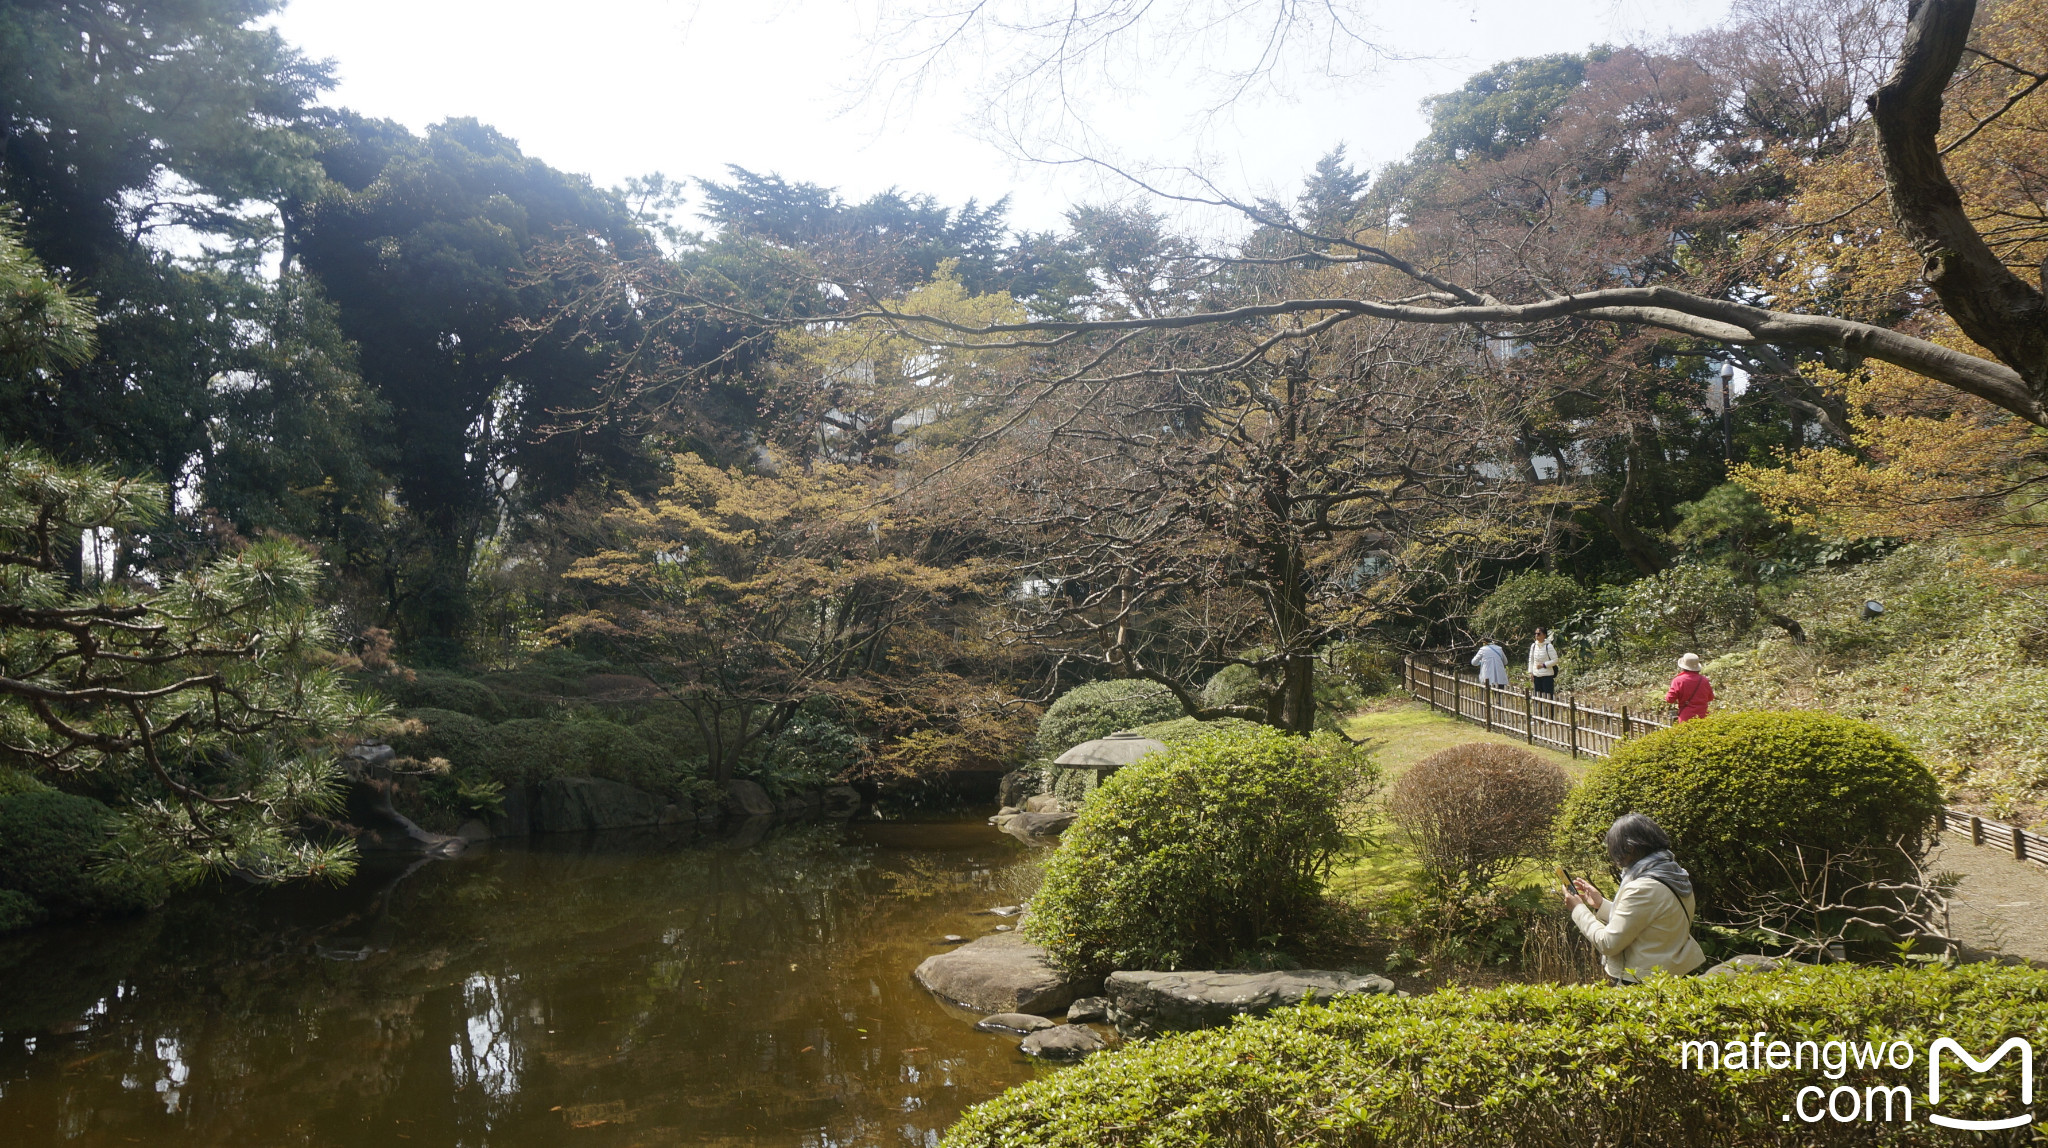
2002, 904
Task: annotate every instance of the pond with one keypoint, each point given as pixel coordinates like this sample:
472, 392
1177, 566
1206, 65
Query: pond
603, 990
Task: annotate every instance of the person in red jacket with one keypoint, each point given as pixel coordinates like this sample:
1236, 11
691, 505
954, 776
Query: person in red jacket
1690, 691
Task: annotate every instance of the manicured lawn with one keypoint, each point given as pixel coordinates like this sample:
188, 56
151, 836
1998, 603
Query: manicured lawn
1403, 733
1408, 731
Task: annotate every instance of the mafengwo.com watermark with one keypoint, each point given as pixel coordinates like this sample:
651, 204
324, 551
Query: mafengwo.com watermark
1854, 1063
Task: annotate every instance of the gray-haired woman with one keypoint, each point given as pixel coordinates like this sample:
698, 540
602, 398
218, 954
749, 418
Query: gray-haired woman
1647, 926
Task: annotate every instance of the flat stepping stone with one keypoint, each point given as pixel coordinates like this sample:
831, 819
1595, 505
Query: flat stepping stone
1143, 1003
1001, 972
1063, 1042
1088, 1010
1021, 1023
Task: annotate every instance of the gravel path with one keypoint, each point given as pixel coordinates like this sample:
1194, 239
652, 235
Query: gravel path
2001, 905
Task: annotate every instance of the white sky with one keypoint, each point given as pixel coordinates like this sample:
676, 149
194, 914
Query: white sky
616, 88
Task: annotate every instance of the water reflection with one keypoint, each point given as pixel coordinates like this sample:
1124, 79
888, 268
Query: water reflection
609, 990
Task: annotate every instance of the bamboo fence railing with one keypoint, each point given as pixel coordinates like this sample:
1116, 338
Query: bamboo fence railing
1588, 731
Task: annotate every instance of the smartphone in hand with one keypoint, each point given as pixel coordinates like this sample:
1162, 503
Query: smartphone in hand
1571, 888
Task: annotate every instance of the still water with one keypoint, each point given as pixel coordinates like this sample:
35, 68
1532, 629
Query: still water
606, 990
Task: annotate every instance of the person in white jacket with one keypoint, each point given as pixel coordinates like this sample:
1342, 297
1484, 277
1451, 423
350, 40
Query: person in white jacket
1493, 664
1543, 663
1647, 926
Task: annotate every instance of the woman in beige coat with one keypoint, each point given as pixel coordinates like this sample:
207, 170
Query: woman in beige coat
1647, 926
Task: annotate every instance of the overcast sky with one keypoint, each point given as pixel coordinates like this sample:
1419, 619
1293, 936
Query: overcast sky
616, 88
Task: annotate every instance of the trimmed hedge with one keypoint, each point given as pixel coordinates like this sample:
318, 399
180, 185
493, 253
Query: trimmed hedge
1734, 788
1205, 853
1530, 1065
50, 843
1098, 709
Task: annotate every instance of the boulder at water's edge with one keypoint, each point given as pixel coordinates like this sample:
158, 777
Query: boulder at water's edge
1002, 973
1143, 1003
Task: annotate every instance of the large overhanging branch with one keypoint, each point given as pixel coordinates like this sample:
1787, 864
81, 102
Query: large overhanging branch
1714, 319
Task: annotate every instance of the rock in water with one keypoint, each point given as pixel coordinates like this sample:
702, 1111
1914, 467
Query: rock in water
1021, 1023
572, 804
1143, 1003
747, 799
1063, 1042
1017, 785
999, 973
1036, 828
841, 800
1088, 1010
1045, 803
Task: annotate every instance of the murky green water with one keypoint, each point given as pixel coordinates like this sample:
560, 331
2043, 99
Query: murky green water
605, 990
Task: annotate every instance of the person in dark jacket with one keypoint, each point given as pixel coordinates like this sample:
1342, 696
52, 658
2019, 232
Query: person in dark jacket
1690, 691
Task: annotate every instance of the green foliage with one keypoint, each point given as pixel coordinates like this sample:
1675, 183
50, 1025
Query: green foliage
1731, 527
1692, 604
1502, 107
191, 700
1529, 1064
653, 755
1204, 853
1460, 924
441, 690
51, 845
42, 326
1098, 709
1738, 792
18, 911
1524, 601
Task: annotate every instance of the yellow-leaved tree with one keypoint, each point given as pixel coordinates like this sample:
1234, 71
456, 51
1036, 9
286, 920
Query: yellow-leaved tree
747, 595
1923, 460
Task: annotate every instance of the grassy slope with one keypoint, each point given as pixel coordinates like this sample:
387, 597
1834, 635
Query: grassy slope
1957, 666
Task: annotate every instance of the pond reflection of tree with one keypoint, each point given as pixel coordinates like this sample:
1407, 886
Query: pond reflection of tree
529, 989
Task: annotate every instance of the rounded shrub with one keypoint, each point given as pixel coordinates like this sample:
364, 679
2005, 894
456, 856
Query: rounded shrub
1739, 792
1473, 811
1098, 709
50, 844
1528, 1065
441, 690
18, 911
1525, 601
1211, 850
465, 741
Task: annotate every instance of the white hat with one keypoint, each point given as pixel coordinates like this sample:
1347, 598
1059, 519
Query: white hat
1689, 662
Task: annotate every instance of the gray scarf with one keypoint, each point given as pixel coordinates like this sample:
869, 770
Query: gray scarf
1661, 866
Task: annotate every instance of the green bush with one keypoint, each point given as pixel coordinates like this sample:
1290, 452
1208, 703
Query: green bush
465, 741
50, 843
1525, 601
1690, 603
1089, 711
1208, 852
1098, 709
1738, 791
1529, 1065
18, 911
440, 690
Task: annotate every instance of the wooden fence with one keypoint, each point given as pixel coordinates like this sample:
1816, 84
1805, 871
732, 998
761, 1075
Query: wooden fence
2023, 846
1579, 730
1585, 731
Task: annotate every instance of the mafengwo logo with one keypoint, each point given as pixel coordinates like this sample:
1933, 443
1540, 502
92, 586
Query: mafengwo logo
2017, 1044
1859, 1101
